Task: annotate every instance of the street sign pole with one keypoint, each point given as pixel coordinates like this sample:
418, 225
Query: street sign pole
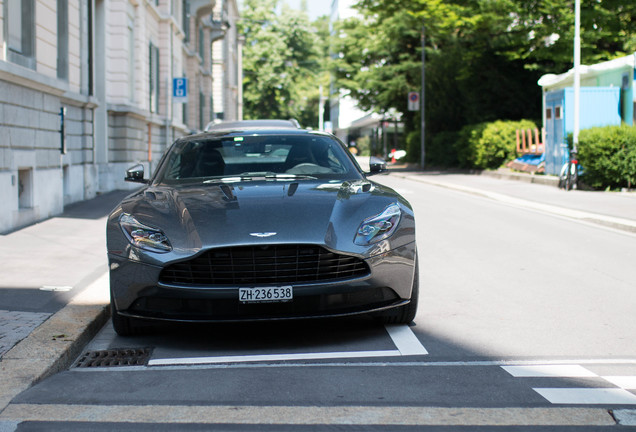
577, 73
422, 100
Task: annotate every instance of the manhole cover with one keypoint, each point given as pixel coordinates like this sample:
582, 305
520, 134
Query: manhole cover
115, 357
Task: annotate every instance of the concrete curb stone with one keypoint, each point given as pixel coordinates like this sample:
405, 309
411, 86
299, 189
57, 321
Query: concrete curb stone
56, 343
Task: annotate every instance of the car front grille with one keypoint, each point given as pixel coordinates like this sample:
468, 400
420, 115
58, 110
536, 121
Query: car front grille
272, 264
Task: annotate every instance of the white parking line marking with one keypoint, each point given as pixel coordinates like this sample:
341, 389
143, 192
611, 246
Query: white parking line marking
540, 371
624, 382
405, 340
271, 357
588, 396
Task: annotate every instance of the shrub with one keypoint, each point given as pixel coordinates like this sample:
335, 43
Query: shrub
466, 144
414, 147
498, 143
608, 156
364, 146
489, 145
441, 151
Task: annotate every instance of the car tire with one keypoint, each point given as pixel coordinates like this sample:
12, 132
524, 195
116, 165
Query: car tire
123, 326
404, 314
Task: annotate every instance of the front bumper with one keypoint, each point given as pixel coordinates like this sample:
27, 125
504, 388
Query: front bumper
136, 292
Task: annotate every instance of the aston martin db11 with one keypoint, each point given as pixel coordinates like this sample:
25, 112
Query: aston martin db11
260, 224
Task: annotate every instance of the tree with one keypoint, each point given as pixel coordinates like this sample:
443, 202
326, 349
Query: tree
282, 63
484, 57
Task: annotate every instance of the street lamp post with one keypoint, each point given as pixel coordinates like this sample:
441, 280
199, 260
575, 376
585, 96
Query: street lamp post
577, 73
422, 102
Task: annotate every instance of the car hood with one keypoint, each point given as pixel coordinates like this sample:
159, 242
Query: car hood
266, 212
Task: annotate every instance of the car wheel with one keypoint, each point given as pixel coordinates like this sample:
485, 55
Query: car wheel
123, 326
404, 314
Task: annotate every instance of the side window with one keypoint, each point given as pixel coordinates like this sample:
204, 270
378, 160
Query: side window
20, 31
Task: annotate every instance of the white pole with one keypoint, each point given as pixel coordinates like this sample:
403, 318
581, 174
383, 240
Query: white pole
321, 109
577, 73
422, 103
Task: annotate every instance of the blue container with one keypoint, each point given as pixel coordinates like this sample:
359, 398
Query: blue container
600, 106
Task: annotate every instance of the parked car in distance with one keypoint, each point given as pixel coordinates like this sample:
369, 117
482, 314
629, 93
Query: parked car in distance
216, 126
260, 224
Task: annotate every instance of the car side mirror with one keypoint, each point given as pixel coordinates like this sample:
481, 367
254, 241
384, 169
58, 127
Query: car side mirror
376, 166
136, 174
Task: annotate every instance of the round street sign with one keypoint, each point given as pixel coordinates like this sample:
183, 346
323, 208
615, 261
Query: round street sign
414, 101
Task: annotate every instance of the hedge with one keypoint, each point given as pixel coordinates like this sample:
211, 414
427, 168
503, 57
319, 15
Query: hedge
489, 145
608, 156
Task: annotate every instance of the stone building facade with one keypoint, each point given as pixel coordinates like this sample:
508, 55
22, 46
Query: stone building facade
86, 92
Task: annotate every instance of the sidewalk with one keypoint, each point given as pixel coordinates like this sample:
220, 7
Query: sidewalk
54, 285
53, 292
612, 209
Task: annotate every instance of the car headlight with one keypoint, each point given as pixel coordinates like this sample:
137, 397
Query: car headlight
379, 227
143, 236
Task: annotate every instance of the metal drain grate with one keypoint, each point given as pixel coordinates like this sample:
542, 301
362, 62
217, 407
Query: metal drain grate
115, 357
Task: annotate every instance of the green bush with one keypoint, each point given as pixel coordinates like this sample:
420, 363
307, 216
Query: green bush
441, 151
364, 146
413, 147
489, 145
467, 143
608, 156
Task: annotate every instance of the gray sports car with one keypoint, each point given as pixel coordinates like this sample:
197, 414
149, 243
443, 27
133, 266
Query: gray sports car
260, 224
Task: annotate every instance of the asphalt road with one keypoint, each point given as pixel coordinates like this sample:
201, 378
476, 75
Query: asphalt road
526, 322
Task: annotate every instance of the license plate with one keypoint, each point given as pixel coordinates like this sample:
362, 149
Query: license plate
266, 294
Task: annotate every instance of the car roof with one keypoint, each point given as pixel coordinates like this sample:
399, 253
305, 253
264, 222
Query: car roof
270, 131
252, 124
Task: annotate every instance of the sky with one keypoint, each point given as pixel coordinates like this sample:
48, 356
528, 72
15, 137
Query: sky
316, 8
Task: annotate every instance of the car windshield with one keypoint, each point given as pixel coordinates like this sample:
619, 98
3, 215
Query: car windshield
235, 158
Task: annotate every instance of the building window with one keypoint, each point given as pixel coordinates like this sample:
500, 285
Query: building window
131, 52
185, 16
153, 78
557, 113
201, 110
548, 113
184, 106
62, 39
20, 31
201, 43
25, 188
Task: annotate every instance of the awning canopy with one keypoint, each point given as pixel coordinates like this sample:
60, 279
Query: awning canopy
567, 79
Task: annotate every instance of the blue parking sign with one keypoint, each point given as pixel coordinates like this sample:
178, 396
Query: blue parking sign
180, 89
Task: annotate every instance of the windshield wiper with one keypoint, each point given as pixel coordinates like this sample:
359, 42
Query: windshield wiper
246, 176
291, 177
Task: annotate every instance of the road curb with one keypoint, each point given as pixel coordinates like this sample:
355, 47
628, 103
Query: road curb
523, 177
56, 343
598, 219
